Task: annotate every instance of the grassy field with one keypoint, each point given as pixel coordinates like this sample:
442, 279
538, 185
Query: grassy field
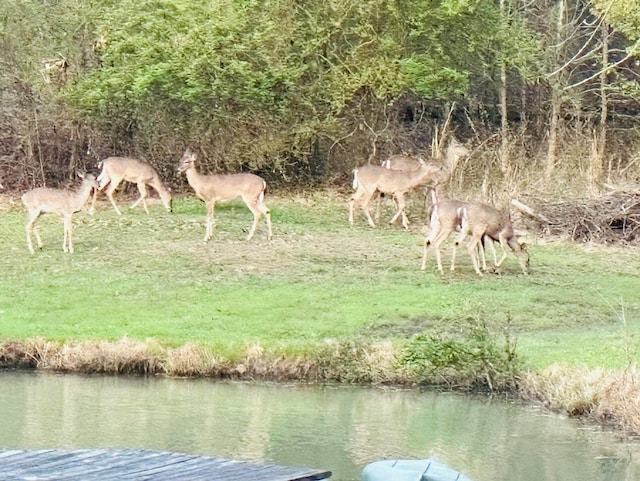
148, 277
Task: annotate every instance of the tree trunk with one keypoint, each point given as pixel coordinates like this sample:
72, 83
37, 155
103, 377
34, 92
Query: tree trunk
556, 102
504, 127
596, 168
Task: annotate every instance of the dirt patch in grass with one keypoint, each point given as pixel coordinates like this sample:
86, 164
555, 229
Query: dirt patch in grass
405, 330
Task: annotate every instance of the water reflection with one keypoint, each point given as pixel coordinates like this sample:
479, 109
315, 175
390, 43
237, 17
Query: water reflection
335, 428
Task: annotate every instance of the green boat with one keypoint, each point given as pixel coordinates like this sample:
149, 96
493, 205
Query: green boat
411, 470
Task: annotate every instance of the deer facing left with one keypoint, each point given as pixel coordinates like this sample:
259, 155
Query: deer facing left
226, 187
56, 201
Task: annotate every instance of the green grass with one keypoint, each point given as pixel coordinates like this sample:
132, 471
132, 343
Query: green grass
152, 277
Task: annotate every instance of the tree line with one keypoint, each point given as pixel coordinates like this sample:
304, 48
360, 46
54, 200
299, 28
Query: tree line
301, 92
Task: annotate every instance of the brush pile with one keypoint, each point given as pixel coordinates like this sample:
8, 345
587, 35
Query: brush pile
612, 218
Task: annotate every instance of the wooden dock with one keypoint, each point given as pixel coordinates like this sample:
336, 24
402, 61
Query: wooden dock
138, 465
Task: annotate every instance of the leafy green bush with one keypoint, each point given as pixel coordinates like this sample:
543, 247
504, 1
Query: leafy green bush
478, 356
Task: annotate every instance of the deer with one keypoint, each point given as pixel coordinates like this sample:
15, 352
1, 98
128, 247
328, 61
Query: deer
446, 218
482, 220
226, 187
454, 152
57, 201
115, 170
369, 179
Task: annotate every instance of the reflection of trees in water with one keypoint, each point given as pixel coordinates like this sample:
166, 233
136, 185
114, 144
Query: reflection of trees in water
335, 428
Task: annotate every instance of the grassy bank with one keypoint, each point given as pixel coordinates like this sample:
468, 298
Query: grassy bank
150, 280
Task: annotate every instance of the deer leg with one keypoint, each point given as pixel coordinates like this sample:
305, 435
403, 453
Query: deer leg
92, 208
256, 218
142, 188
351, 207
36, 232
378, 212
264, 210
438, 240
33, 216
208, 231
503, 241
401, 204
267, 216
482, 245
365, 208
453, 257
364, 202
110, 190
437, 235
493, 250
473, 244
425, 247
521, 252
67, 244
439, 257
427, 243
355, 200
361, 198
253, 206
378, 207
434, 225
462, 235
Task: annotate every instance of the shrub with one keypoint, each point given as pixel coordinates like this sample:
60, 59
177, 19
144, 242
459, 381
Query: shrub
479, 356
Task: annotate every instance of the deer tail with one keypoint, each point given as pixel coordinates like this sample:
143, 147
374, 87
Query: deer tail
355, 179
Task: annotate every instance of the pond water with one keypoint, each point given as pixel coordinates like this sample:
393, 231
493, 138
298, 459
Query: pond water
331, 427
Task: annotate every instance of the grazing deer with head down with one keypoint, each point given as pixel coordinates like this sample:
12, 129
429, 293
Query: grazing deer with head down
118, 169
446, 218
481, 220
57, 201
225, 187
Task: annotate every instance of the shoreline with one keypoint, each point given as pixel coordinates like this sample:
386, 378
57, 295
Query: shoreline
607, 397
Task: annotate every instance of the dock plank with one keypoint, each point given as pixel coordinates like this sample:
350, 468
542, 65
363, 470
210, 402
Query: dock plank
140, 465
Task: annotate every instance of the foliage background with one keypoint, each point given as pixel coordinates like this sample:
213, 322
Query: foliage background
300, 92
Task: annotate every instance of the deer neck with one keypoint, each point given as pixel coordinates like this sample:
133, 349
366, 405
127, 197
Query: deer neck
84, 192
192, 174
450, 160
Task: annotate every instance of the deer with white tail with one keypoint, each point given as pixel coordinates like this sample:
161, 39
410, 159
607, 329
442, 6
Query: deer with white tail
57, 201
452, 155
226, 187
369, 179
480, 220
400, 174
115, 170
446, 218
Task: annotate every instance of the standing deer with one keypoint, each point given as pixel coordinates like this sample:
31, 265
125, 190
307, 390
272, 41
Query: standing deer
118, 169
454, 152
446, 217
480, 220
442, 171
369, 179
225, 187
57, 201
